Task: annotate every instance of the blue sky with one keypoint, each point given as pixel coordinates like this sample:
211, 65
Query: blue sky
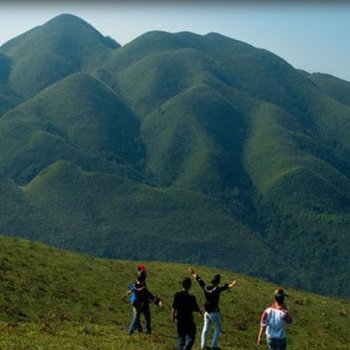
310, 35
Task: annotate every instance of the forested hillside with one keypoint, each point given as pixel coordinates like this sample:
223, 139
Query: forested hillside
176, 147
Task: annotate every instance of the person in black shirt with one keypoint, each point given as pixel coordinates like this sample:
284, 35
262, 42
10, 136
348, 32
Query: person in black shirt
212, 311
140, 303
184, 304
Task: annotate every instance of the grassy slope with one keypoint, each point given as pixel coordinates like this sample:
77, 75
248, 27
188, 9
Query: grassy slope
179, 99
60, 47
164, 75
188, 149
52, 299
197, 152
17, 214
88, 114
332, 86
304, 224
8, 98
277, 146
76, 119
112, 216
289, 140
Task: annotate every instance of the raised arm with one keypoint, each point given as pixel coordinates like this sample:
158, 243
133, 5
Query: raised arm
196, 276
192, 272
227, 286
232, 284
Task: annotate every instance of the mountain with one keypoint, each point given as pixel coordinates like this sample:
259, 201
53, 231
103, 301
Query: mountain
176, 147
60, 47
54, 298
337, 88
78, 118
133, 218
16, 211
8, 98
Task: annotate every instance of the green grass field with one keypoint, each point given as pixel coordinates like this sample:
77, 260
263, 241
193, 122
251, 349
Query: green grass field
53, 299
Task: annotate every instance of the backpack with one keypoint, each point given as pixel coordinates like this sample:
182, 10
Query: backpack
132, 297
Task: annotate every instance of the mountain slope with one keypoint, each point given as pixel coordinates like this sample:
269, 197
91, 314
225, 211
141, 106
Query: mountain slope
111, 216
17, 213
275, 129
195, 147
8, 98
62, 46
332, 86
310, 222
77, 119
200, 135
88, 115
57, 299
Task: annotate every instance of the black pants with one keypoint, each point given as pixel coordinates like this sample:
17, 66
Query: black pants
136, 323
186, 335
277, 344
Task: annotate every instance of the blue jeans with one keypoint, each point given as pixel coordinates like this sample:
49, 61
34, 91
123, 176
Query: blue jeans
209, 318
277, 344
135, 324
186, 336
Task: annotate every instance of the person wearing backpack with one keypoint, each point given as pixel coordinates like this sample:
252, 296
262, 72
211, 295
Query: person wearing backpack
141, 269
212, 311
184, 304
273, 321
140, 298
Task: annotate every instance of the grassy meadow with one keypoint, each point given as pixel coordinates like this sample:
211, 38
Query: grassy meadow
53, 299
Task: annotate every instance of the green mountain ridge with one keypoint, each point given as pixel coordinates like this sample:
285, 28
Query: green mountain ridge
123, 211
333, 86
62, 46
178, 147
108, 126
50, 124
55, 299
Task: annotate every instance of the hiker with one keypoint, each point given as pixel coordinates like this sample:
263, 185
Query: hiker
184, 304
273, 322
140, 298
212, 311
141, 269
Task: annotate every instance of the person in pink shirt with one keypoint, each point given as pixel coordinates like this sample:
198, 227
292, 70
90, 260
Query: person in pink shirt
273, 321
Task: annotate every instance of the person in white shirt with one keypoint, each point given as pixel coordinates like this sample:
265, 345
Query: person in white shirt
273, 321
